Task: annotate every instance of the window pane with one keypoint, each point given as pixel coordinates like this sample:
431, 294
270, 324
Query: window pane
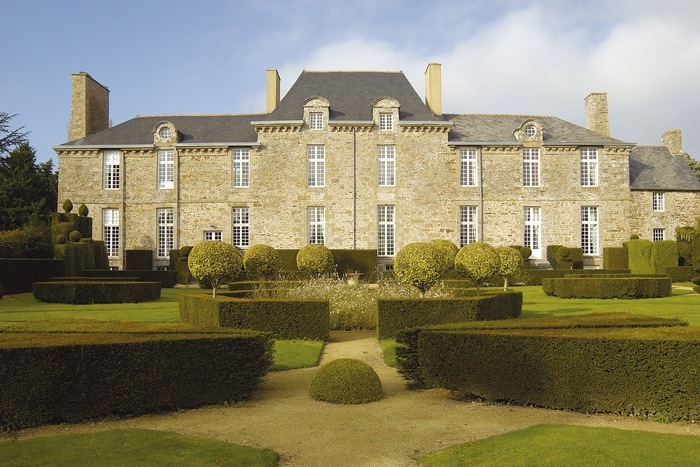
531, 167
468, 174
165, 232
316, 121
241, 168
166, 169
386, 165
386, 239
316, 165
467, 225
386, 122
110, 231
589, 167
317, 225
241, 227
589, 230
112, 169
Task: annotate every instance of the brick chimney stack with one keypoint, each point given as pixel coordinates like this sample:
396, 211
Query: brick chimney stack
673, 140
89, 106
597, 113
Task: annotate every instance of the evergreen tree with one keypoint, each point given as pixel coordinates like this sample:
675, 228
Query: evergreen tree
9, 138
693, 163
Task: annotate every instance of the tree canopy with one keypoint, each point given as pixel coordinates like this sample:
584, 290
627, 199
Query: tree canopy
10, 138
693, 163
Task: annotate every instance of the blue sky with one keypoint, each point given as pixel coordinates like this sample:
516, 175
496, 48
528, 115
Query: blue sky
210, 56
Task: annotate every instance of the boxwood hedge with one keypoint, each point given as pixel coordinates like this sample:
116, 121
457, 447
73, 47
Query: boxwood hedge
609, 286
86, 292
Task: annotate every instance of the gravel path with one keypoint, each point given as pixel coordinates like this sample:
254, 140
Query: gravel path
395, 431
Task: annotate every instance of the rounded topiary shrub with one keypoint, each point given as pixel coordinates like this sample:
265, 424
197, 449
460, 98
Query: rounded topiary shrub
315, 260
477, 261
511, 261
216, 262
525, 252
418, 264
185, 250
83, 210
75, 236
262, 261
634, 237
445, 251
61, 239
346, 381
67, 206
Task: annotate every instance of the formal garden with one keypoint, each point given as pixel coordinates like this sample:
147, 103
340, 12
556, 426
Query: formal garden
474, 333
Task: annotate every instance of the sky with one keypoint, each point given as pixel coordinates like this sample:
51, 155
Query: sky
538, 57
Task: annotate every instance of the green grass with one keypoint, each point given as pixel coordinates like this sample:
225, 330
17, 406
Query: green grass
294, 354
556, 445
131, 447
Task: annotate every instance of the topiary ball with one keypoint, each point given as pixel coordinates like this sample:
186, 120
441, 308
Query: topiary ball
445, 251
262, 261
418, 264
75, 236
315, 259
634, 237
61, 239
346, 381
185, 250
525, 252
83, 210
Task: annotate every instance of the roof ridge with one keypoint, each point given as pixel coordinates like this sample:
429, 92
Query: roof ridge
200, 115
353, 71
502, 115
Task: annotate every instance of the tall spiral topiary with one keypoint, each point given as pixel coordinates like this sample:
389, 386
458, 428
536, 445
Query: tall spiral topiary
261, 261
418, 264
445, 251
315, 260
216, 262
477, 261
511, 261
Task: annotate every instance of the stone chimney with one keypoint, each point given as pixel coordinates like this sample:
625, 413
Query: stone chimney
597, 113
89, 108
273, 90
673, 140
433, 88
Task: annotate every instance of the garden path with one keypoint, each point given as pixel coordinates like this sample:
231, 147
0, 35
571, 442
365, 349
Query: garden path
394, 431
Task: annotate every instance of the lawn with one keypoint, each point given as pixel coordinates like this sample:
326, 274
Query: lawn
131, 447
547, 445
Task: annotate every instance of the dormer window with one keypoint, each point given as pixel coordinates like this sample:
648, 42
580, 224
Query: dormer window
315, 121
164, 134
530, 131
386, 122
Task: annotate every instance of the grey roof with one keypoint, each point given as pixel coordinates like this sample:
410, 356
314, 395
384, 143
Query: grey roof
478, 128
193, 129
351, 95
655, 168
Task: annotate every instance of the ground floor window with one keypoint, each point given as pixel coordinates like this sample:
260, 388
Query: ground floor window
468, 224
386, 230
532, 231
213, 235
316, 216
110, 231
658, 235
166, 230
241, 227
589, 230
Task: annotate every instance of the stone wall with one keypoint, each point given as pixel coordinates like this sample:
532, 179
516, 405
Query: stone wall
680, 210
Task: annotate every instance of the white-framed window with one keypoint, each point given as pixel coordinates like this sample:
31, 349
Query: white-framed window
589, 230
166, 231
315, 120
657, 201
468, 225
386, 165
386, 122
530, 130
386, 230
112, 165
241, 168
316, 216
110, 231
531, 167
532, 230
166, 169
589, 167
468, 167
165, 133
658, 235
210, 235
316, 165
241, 227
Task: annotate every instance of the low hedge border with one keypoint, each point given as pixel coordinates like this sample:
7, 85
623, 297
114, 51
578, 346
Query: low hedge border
681, 273
535, 276
654, 372
86, 292
284, 319
407, 350
71, 378
17, 275
168, 279
394, 315
609, 286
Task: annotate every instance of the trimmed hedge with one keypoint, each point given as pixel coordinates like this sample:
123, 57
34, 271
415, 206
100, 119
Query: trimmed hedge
86, 292
138, 260
363, 261
17, 274
284, 319
615, 258
408, 350
681, 273
71, 378
633, 286
535, 276
563, 257
395, 314
647, 257
650, 372
167, 279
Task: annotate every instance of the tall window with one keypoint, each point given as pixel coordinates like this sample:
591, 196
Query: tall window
531, 167
468, 227
112, 170
166, 169
316, 216
658, 235
532, 230
589, 230
386, 165
386, 230
589, 167
386, 122
210, 235
315, 121
657, 201
468, 167
316, 165
241, 228
110, 231
241, 168
166, 229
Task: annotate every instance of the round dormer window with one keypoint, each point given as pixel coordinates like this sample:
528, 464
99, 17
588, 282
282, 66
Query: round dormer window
530, 130
165, 133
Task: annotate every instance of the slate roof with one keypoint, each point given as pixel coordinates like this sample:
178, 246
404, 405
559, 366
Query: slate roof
351, 95
480, 128
654, 168
193, 129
